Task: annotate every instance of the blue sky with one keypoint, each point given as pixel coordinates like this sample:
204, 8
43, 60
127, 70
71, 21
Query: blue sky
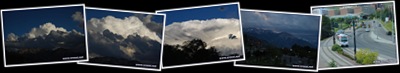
224, 11
92, 13
22, 21
303, 26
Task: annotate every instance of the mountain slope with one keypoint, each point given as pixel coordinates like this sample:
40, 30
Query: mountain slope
280, 39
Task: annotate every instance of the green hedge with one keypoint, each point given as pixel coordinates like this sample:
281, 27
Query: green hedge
336, 47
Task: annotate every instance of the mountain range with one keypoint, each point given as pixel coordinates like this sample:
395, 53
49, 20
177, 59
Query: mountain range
277, 38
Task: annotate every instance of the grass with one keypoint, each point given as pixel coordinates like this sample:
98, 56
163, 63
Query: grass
387, 25
335, 29
348, 56
344, 26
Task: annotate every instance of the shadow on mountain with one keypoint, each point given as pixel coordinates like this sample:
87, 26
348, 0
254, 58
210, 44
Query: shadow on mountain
261, 52
193, 51
22, 56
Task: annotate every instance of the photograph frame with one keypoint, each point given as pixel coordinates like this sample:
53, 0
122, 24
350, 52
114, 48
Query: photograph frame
121, 66
50, 62
360, 3
284, 68
212, 62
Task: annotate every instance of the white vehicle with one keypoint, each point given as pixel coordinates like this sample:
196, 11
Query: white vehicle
366, 29
343, 40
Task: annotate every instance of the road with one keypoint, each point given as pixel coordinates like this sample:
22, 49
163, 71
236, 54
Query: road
376, 40
327, 55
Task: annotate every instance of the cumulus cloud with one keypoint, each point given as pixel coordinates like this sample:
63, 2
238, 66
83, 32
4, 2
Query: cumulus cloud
147, 19
48, 36
127, 38
12, 37
77, 16
150, 24
44, 29
215, 32
124, 27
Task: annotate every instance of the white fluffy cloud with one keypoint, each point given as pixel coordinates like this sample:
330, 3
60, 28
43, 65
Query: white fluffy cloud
77, 16
147, 19
44, 29
125, 27
128, 38
214, 32
12, 37
47, 36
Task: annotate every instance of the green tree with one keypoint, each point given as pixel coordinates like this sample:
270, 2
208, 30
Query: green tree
366, 56
326, 28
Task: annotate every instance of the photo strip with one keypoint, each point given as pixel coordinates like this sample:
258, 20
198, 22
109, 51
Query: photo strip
358, 35
280, 40
124, 39
202, 35
44, 35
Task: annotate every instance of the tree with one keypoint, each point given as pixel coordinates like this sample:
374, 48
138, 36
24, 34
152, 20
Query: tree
326, 27
366, 56
192, 51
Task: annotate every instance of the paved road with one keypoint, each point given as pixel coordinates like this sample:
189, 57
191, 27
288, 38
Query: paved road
382, 44
380, 30
364, 40
327, 55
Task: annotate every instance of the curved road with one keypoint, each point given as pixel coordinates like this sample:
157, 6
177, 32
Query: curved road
372, 40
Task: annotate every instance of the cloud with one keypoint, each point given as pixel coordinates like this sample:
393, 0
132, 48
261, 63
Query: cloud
78, 17
44, 29
304, 26
124, 27
280, 21
150, 24
214, 32
126, 38
264, 17
48, 36
147, 19
12, 37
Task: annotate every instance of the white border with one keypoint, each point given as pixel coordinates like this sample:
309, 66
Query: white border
284, 68
41, 63
372, 65
213, 62
121, 66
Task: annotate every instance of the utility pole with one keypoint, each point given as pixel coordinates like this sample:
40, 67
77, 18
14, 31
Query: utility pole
354, 34
393, 33
334, 33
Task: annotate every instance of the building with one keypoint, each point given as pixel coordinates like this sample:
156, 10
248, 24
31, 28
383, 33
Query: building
343, 11
352, 11
322, 11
